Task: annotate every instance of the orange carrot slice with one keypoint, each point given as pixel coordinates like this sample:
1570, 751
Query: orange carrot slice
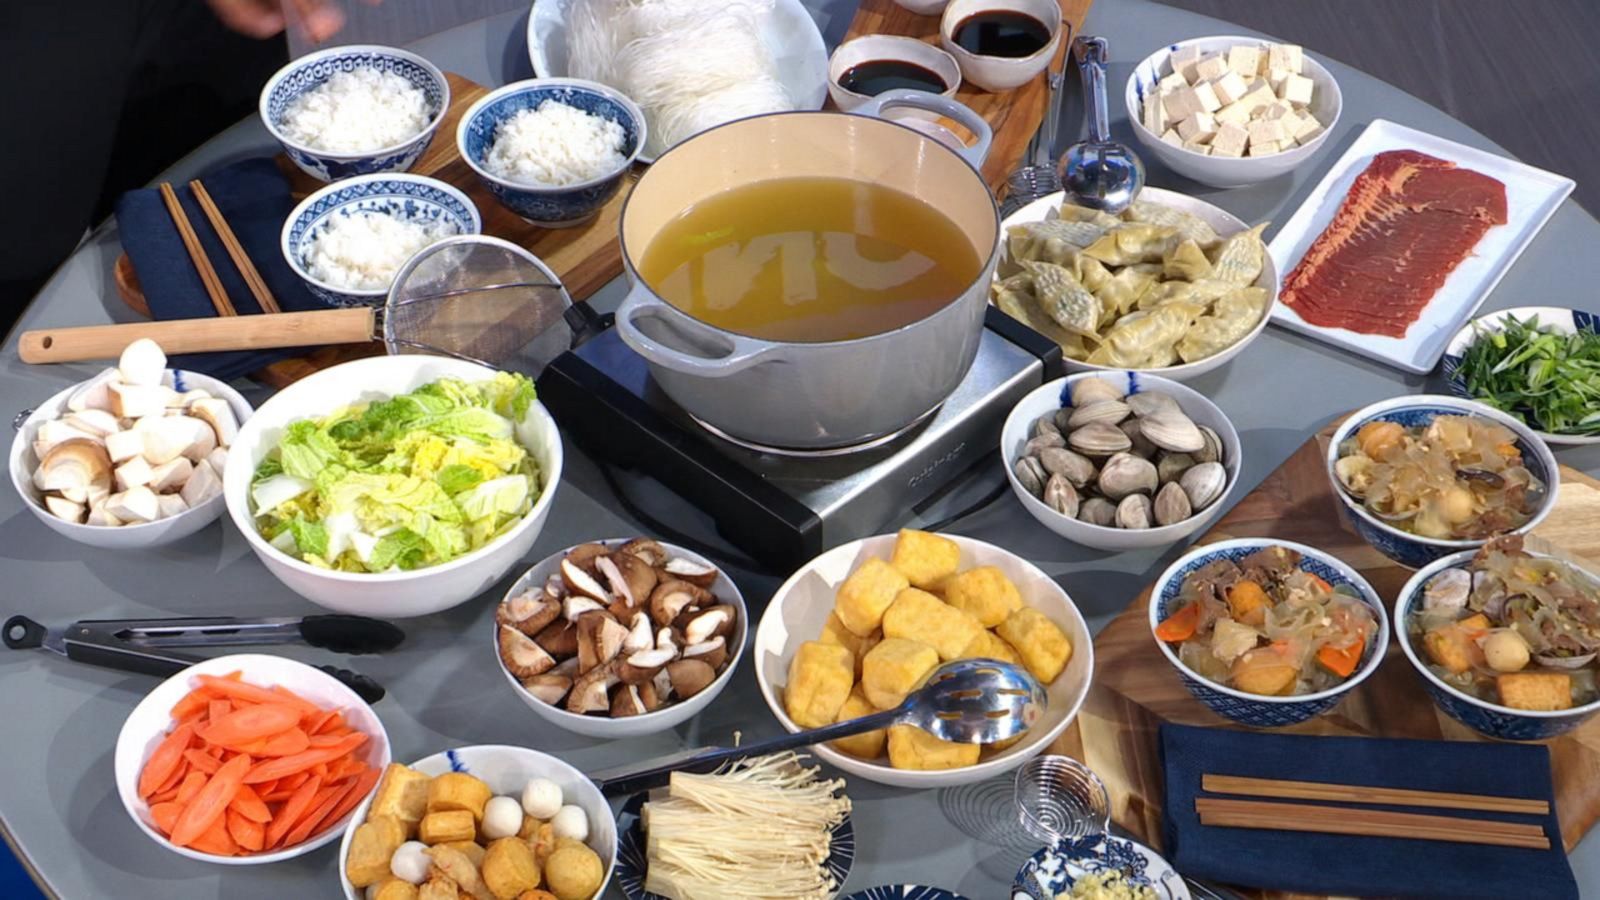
362, 786
164, 761
216, 709
211, 802
192, 702
1341, 661
334, 721
162, 797
202, 760
250, 723
247, 834
313, 722
216, 840
293, 809
294, 781
165, 815
246, 802
1179, 626
286, 743
299, 762
323, 804
250, 693
191, 786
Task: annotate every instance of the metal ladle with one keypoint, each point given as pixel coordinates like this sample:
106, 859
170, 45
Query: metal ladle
970, 701
1099, 173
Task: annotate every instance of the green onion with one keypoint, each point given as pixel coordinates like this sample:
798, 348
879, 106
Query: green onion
1550, 381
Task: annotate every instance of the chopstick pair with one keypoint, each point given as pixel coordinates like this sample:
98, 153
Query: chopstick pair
202, 264
1232, 813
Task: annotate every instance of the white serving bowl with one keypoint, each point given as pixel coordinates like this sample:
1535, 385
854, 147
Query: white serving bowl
1222, 221
121, 537
1225, 171
923, 7
1048, 398
868, 48
1001, 73
669, 716
1551, 318
151, 720
507, 770
798, 610
388, 595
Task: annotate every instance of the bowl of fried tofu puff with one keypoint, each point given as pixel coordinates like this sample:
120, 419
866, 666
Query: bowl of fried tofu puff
861, 626
480, 822
1232, 110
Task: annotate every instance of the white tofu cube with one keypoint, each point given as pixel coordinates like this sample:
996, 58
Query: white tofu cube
1183, 62
1179, 104
133, 473
1206, 98
1230, 87
1266, 148
1275, 79
1171, 136
1306, 128
134, 505
1244, 59
1277, 109
1297, 89
1155, 115
1235, 113
1230, 140
1199, 148
1266, 131
1211, 66
1258, 95
1197, 127
1171, 82
1285, 56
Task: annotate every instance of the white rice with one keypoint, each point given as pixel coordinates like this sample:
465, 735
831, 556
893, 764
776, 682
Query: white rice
555, 145
357, 112
364, 250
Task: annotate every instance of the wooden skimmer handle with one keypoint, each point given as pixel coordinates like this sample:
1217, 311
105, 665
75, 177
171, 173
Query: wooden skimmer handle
356, 325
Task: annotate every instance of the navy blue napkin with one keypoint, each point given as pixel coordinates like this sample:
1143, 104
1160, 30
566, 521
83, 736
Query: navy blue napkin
254, 198
1349, 864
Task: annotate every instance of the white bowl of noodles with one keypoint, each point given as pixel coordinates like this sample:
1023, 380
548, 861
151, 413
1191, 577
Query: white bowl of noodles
1233, 336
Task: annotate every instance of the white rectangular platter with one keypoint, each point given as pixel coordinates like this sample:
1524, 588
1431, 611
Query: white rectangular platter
1532, 196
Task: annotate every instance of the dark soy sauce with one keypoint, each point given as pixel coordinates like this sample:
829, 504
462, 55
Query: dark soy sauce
1001, 32
875, 76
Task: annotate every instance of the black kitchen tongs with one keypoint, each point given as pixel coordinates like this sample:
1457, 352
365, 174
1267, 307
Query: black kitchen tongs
136, 645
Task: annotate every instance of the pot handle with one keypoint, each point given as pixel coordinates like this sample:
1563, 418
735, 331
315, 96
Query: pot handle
905, 98
726, 353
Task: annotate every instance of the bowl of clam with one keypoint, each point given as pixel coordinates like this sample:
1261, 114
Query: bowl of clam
1120, 460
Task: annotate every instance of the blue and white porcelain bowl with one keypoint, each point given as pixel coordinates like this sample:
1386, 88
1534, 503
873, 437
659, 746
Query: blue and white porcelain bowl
550, 206
1486, 718
1053, 870
1256, 710
311, 70
1411, 550
408, 197
1550, 318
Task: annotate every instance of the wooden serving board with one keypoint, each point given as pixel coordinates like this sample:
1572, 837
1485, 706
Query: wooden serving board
1135, 689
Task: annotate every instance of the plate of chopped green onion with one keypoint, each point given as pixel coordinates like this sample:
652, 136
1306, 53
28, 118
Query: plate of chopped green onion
1538, 363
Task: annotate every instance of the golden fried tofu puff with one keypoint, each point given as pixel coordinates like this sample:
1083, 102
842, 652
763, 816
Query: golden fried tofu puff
984, 592
509, 868
458, 790
371, 846
573, 871
394, 889
924, 558
912, 748
820, 678
865, 596
439, 887
868, 745
1541, 691
986, 645
834, 632
1043, 646
920, 616
895, 668
402, 793
446, 827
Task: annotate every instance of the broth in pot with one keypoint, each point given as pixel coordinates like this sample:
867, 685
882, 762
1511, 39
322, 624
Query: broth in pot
810, 259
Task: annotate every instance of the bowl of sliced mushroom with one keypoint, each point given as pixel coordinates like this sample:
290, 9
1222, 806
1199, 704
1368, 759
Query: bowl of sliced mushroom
620, 638
1120, 460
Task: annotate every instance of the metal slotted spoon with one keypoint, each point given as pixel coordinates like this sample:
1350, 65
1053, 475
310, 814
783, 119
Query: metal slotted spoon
473, 297
970, 701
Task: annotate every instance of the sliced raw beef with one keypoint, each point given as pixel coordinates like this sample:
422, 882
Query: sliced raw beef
1406, 224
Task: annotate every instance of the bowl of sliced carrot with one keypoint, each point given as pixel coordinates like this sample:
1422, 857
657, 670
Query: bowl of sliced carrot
248, 759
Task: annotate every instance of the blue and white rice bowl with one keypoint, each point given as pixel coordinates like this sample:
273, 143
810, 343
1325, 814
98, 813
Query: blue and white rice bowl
413, 198
310, 71
1484, 717
1551, 318
1051, 871
546, 205
1256, 710
1412, 550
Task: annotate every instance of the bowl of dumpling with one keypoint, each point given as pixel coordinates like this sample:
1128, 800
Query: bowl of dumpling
1172, 285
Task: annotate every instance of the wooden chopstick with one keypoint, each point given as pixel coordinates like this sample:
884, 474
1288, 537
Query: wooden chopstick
241, 260
1345, 793
1256, 814
197, 254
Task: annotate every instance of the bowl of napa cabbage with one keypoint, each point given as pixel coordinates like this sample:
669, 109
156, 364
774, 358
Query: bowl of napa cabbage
395, 486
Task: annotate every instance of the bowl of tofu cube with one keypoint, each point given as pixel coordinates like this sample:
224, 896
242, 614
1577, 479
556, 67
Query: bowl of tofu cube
861, 626
132, 457
1232, 110
483, 821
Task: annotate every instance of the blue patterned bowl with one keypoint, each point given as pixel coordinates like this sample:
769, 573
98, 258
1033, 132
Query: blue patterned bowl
313, 69
1256, 710
1486, 718
1053, 870
1551, 318
1411, 550
568, 204
408, 197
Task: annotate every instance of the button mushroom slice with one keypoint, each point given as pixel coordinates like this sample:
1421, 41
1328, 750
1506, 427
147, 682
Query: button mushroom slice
640, 637
685, 569
628, 703
142, 362
76, 466
591, 692
713, 652
640, 578
690, 677
577, 605
95, 423
216, 413
671, 598
646, 549
528, 612
559, 639
579, 581
522, 656
600, 639
549, 687
62, 508
584, 555
643, 666
707, 624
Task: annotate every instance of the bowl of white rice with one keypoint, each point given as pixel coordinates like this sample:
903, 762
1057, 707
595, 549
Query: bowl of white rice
355, 110
348, 240
552, 150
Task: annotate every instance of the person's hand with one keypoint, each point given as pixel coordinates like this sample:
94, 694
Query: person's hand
317, 20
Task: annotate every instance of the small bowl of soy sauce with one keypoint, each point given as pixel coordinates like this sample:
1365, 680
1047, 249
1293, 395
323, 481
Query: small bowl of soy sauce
867, 66
1001, 44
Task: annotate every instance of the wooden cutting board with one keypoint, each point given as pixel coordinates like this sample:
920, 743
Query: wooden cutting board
1135, 689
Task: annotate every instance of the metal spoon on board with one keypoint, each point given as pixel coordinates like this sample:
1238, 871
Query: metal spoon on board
1040, 178
1099, 173
970, 701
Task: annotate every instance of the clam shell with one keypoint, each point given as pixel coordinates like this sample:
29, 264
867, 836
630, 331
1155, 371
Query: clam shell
1152, 403
1035, 444
1134, 512
1092, 390
1125, 474
1099, 439
1098, 511
1212, 451
1045, 424
1172, 504
1172, 431
1141, 444
1031, 473
1204, 483
1062, 416
1108, 411
1060, 496
1170, 466
1061, 461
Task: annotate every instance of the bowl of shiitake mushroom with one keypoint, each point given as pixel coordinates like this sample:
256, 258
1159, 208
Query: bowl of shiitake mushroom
1120, 460
620, 638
